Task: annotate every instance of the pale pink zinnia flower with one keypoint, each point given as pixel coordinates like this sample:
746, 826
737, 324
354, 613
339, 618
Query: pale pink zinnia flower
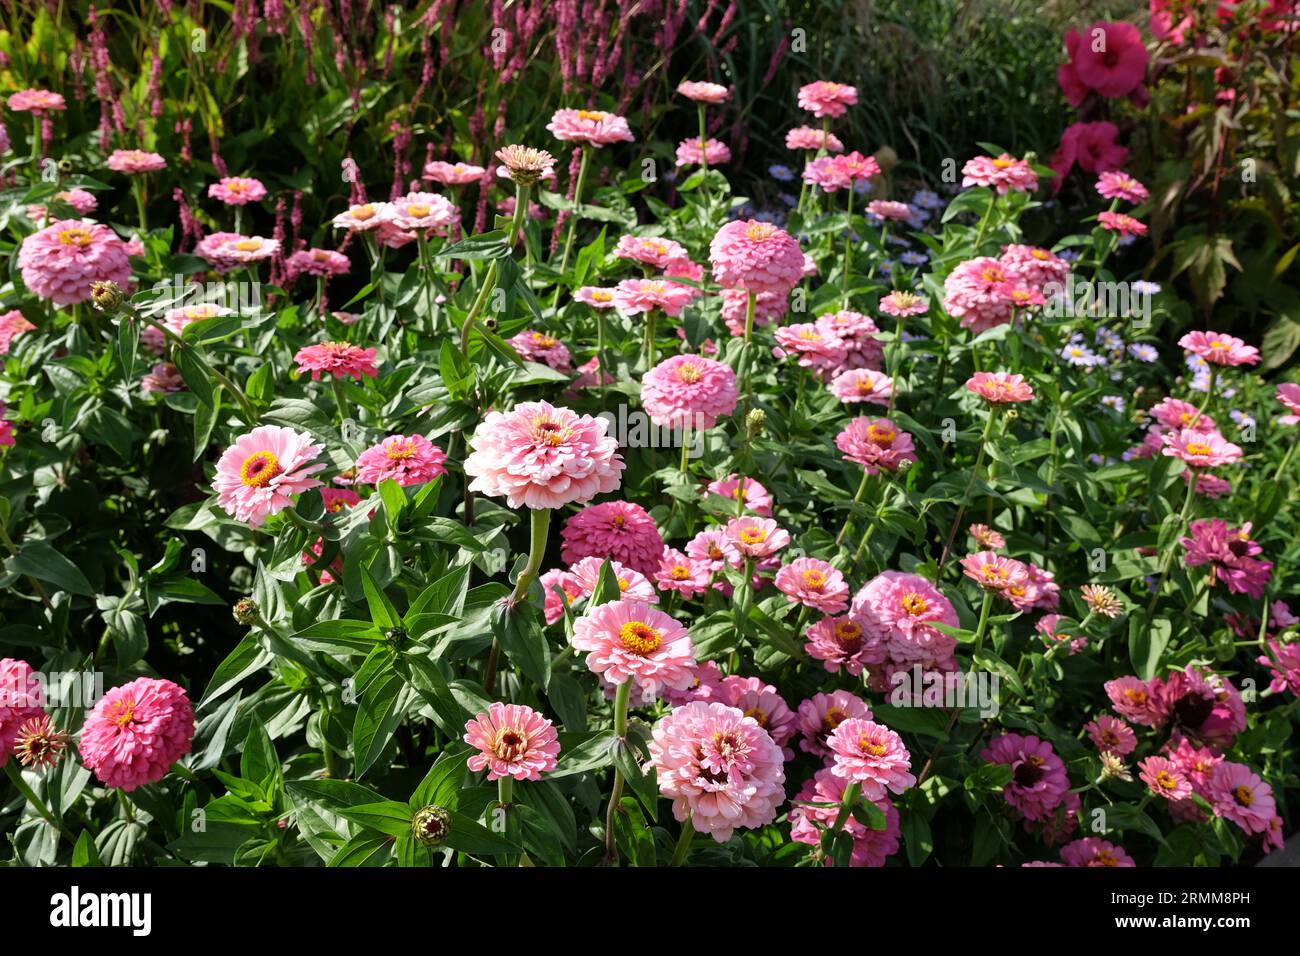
364, 217
613, 529
636, 296
826, 174
417, 210
1000, 387
542, 456
814, 583
872, 755
810, 139
632, 584
133, 161
701, 92
630, 640
755, 698
237, 190
136, 732
1200, 449
689, 392
340, 359
1164, 778
1288, 394
819, 715
512, 741
36, 101
987, 538
863, 385
903, 304
756, 256
258, 475
649, 250
227, 251
83, 204
524, 164
1122, 223
1033, 265
814, 348
816, 808
679, 572
61, 261
755, 537
992, 571
12, 324
453, 174
1120, 185
898, 610
752, 495
875, 444
840, 643
1132, 698
164, 378
1003, 173
693, 152
712, 547
536, 346
1219, 349
824, 98
887, 209
405, 459
594, 127
318, 262
978, 293
595, 296
720, 768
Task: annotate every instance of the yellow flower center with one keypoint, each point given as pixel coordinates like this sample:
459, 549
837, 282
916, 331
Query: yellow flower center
417, 210
1001, 163
690, 373
594, 116
1038, 253
753, 535
1243, 795
1106, 858
248, 245
639, 638
259, 468
362, 212
760, 231
833, 718
1166, 780
600, 295
400, 450
914, 604
123, 712
548, 432
881, 434
543, 341
814, 578
1198, 448
76, 236
680, 572
872, 747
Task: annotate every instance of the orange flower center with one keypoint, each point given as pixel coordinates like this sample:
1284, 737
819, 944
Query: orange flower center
868, 745
594, 116
760, 231
639, 638
1166, 780
417, 210
123, 712
1243, 795
753, 535
510, 744
881, 434
1198, 448
814, 578
680, 572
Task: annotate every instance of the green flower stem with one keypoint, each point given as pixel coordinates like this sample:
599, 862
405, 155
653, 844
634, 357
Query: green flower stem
970, 485
847, 801
15, 776
683, 842
505, 790
1286, 460
857, 499
340, 400
490, 280
540, 520
138, 188
426, 275
248, 412
621, 698
848, 250
704, 137
984, 222
573, 221
982, 627
652, 319
1167, 558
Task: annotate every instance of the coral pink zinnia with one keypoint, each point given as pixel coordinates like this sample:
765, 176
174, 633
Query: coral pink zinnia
613, 529
340, 359
875, 444
824, 98
405, 459
1004, 174
1000, 387
720, 768
543, 456
21, 696
237, 190
133, 161
1239, 795
899, 609
61, 261
819, 715
630, 640
756, 537
258, 475
512, 741
136, 732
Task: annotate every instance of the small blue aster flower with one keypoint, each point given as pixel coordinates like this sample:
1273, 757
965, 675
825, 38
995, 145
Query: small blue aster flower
782, 174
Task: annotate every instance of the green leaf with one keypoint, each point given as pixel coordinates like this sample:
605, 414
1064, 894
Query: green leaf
1147, 644
37, 558
385, 816
521, 636
382, 611
378, 716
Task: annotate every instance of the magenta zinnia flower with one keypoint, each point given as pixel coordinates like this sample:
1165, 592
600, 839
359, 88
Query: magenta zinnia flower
1038, 780
719, 767
405, 459
1094, 852
1116, 184
1239, 795
689, 392
258, 475
613, 529
543, 456
1231, 555
630, 640
512, 741
61, 261
340, 359
21, 696
136, 732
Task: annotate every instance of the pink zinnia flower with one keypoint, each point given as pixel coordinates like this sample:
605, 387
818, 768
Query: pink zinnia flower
825, 173
1239, 795
1112, 735
977, 293
1094, 852
769, 307
512, 741
1177, 414
177, 320
596, 297
693, 152
630, 640
258, 475
700, 92
12, 324
815, 584
61, 261
754, 698
364, 217
164, 378
756, 256
1038, 780
755, 537
810, 139
21, 697
816, 808
689, 392
1132, 698
1122, 223
987, 538
875, 444
635, 296
858, 167
1004, 174
405, 459
133, 161
752, 495
825, 98
418, 211
678, 572
237, 190
82, 203
863, 385
632, 584
524, 164
36, 101
1034, 266
616, 529
539, 347
1115, 184
1000, 387
1287, 393
819, 715
886, 209
903, 304
227, 251
318, 262
1164, 778
897, 609
872, 755
713, 547
720, 768
840, 643
1231, 554
857, 335
651, 251
814, 348
706, 686
340, 359
136, 732
453, 174
543, 456
1219, 349
992, 571
1200, 449
593, 127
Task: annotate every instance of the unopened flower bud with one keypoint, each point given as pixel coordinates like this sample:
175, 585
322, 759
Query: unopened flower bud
755, 421
430, 826
246, 611
107, 296
395, 636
